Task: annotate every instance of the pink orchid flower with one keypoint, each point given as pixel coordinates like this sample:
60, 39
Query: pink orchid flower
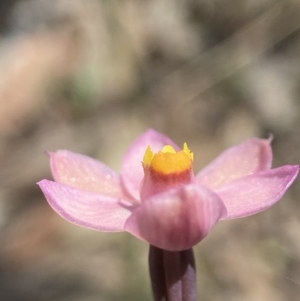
157, 197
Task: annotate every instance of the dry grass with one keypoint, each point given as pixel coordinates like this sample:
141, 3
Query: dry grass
90, 76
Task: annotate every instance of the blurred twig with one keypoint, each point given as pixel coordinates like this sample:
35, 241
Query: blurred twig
240, 50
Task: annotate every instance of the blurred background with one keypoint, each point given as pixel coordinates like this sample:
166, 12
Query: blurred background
91, 75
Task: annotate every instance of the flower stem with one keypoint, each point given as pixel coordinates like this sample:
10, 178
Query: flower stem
173, 275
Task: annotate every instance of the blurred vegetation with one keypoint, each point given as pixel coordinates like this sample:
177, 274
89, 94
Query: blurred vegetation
89, 76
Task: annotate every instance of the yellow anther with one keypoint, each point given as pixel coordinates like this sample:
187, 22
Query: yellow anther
188, 151
148, 156
168, 161
168, 149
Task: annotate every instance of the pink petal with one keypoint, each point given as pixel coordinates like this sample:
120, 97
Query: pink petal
84, 173
87, 209
257, 192
178, 219
132, 170
251, 156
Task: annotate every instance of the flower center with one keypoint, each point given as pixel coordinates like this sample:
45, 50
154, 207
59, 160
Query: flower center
168, 161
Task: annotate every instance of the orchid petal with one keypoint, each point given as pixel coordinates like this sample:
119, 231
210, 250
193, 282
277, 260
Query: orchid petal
254, 193
132, 170
177, 219
84, 208
253, 155
84, 173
